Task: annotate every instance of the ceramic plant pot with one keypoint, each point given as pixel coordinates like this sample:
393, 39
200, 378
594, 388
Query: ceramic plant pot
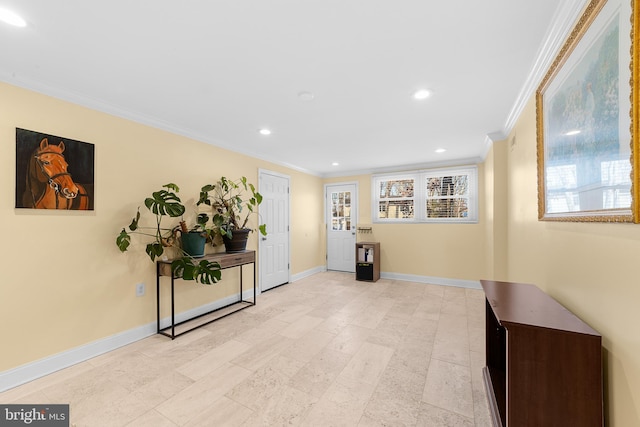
238, 241
193, 243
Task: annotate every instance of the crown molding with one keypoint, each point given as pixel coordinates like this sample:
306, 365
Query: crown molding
559, 29
74, 97
408, 167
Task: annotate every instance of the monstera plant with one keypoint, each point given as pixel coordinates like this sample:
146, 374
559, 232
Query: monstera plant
232, 203
166, 203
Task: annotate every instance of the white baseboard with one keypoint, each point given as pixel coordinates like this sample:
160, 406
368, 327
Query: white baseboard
460, 283
308, 273
31, 371
194, 312
471, 284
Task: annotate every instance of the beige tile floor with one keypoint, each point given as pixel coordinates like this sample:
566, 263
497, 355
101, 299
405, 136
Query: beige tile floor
323, 351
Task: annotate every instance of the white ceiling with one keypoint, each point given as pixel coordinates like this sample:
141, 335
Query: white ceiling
218, 71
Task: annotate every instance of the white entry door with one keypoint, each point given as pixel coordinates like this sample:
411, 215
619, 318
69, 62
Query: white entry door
341, 204
274, 212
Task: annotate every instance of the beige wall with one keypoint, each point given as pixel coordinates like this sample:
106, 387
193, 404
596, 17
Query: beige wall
65, 283
307, 224
496, 184
589, 268
451, 251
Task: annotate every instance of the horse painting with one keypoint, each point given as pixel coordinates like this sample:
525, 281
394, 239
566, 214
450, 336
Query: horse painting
49, 184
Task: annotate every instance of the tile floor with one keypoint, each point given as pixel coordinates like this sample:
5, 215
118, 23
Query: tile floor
323, 351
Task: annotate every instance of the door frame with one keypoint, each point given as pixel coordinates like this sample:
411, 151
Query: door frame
262, 172
326, 216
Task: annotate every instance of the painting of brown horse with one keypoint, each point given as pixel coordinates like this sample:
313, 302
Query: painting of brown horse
48, 181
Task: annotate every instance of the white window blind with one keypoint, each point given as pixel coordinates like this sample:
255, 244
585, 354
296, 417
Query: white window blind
435, 195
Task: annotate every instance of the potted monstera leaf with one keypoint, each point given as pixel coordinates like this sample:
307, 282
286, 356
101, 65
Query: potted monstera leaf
166, 203
193, 240
232, 202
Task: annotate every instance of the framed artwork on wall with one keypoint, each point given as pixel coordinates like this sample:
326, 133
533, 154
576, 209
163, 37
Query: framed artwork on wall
53, 172
587, 109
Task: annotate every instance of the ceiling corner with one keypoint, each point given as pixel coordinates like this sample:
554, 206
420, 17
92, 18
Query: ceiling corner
563, 22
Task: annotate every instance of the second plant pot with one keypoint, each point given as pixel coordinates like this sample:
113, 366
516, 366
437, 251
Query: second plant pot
238, 241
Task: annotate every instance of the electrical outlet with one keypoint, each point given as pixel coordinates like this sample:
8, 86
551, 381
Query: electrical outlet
140, 289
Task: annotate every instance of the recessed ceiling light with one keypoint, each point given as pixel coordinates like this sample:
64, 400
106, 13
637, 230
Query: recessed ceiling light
440, 150
421, 94
335, 164
264, 131
306, 96
12, 18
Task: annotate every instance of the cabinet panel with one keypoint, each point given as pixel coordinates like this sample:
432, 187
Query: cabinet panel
544, 365
368, 261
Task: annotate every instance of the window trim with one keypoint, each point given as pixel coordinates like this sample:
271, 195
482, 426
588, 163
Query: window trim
420, 195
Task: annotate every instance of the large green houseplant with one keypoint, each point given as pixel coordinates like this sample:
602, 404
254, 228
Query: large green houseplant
166, 203
232, 202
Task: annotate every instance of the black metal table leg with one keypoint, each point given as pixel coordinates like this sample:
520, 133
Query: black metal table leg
158, 296
173, 309
242, 303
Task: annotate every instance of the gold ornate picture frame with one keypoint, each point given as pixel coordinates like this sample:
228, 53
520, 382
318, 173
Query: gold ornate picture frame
587, 120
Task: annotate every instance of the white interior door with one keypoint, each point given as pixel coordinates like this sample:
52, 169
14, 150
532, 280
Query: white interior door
341, 204
274, 212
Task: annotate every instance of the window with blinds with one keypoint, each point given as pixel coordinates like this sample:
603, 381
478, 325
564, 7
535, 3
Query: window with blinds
447, 196
436, 195
396, 198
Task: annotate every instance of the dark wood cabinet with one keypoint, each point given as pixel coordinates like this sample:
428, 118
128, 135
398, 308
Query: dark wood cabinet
544, 364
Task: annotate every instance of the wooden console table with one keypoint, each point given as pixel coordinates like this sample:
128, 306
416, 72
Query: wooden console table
544, 365
226, 260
